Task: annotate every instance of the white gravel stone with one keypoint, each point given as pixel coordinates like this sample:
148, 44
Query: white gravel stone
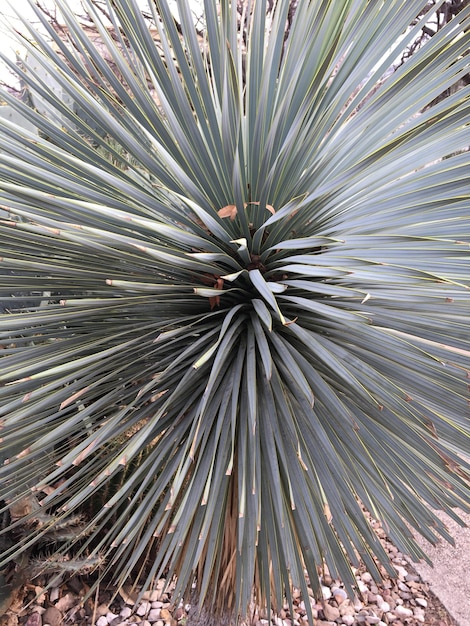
143, 608
154, 615
126, 612
153, 596
326, 593
348, 620
366, 577
385, 607
102, 621
111, 616
54, 595
402, 611
339, 594
422, 602
402, 573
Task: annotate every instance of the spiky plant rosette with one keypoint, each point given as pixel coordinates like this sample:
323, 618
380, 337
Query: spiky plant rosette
246, 266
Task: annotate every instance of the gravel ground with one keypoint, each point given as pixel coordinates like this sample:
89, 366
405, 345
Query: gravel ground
404, 601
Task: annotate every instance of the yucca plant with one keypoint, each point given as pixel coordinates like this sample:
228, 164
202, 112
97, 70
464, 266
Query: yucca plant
246, 268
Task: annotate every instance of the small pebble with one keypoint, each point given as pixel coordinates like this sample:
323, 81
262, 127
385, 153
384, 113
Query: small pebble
154, 615
331, 613
143, 608
165, 615
52, 616
33, 620
412, 578
339, 595
362, 586
126, 612
152, 596
54, 594
422, 602
102, 621
401, 611
347, 608
402, 573
111, 617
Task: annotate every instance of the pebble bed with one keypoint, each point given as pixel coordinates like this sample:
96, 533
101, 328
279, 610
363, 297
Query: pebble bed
403, 601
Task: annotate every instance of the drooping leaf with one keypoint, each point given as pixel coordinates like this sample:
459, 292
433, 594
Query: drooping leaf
234, 280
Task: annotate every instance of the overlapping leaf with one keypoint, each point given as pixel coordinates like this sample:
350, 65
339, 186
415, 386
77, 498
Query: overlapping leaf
228, 390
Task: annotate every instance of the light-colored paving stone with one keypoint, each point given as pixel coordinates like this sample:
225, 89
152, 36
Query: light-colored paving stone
449, 578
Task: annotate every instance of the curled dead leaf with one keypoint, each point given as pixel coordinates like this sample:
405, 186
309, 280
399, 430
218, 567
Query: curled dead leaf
231, 210
228, 211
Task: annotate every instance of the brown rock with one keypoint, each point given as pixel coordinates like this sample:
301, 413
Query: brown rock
347, 608
67, 602
152, 596
167, 617
101, 609
52, 616
33, 620
331, 613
